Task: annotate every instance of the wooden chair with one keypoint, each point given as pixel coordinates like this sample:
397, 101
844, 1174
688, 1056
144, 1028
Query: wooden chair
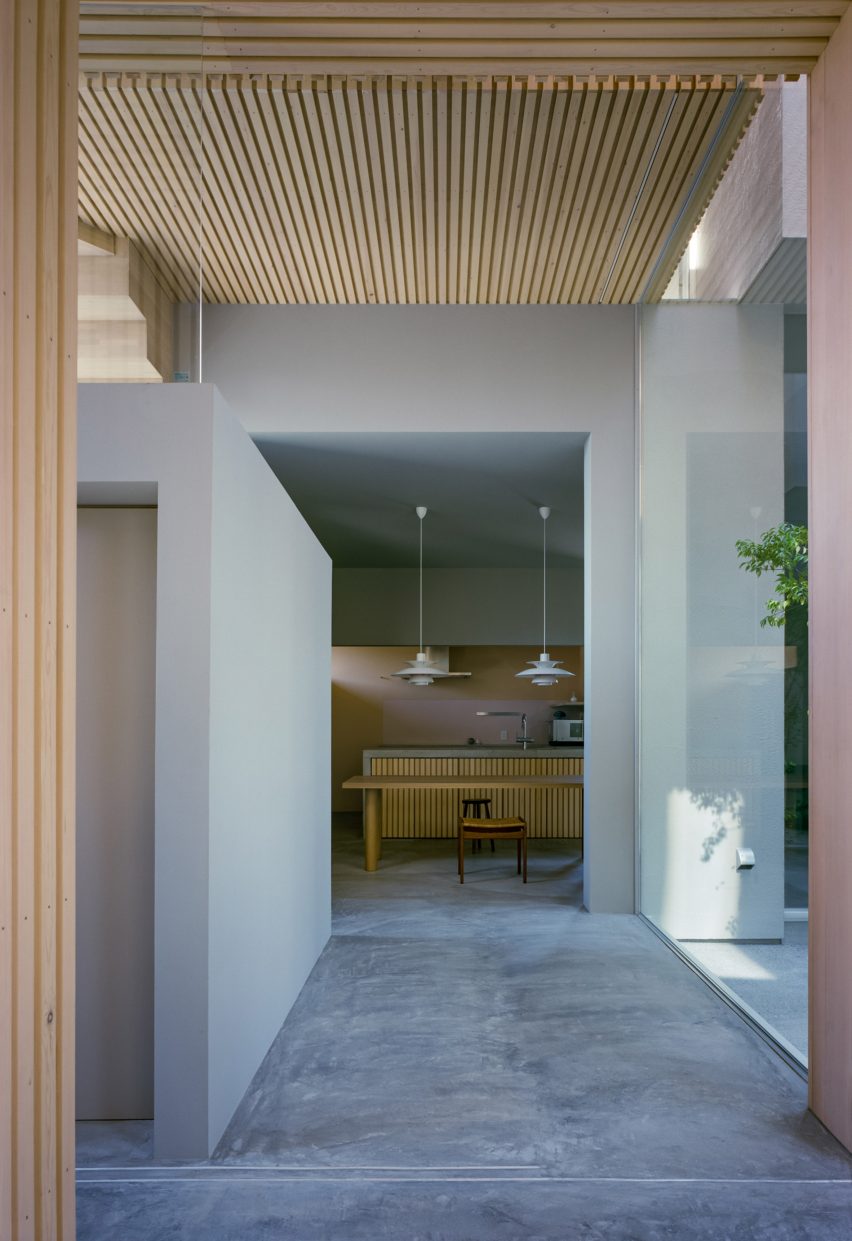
493, 829
477, 808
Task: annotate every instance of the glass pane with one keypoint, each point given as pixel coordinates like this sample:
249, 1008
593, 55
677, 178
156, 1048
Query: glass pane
724, 648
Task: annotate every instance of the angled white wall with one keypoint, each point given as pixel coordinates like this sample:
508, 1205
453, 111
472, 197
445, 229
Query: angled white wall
234, 871
481, 368
270, 761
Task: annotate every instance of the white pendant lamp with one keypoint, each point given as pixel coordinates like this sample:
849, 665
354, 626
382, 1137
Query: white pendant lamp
544, 670
423, 670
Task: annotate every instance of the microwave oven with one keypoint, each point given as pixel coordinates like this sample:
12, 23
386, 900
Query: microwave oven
566, 732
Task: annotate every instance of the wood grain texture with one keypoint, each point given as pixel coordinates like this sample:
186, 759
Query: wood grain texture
468, 38
830, 520
38, 486
385, 189
421, 796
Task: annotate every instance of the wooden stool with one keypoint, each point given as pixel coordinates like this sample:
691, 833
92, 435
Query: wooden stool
493, 829
477, 808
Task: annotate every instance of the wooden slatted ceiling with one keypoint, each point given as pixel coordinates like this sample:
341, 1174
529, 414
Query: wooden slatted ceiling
403, 190
464, 38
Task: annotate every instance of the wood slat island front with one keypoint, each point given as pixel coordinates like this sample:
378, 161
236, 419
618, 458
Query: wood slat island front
433, 798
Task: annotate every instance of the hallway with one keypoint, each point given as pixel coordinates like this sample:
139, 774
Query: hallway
489, 1061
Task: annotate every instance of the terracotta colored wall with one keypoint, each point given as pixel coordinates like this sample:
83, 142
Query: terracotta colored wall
369, 711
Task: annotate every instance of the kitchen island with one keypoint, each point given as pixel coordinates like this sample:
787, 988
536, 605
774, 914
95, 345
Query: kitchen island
551, 811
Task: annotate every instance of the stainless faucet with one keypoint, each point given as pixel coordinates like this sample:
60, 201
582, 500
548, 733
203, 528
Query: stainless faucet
523, 740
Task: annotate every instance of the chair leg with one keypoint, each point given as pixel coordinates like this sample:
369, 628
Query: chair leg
493, 847
525, 856
461, 856
519, 855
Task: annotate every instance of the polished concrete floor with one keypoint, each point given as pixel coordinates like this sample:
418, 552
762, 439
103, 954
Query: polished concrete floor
490, 1062
772, 979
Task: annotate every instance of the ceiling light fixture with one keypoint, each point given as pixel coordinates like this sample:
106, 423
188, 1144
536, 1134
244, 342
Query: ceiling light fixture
423, 670
544, 670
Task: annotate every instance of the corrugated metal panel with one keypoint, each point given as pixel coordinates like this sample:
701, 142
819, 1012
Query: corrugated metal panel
784, 276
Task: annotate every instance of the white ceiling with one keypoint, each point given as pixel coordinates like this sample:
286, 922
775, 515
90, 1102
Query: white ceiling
358, 493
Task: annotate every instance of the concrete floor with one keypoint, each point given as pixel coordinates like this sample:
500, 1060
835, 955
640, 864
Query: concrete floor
489, 1062
772, 979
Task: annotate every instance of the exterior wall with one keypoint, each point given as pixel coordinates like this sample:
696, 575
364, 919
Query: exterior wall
481, 368
178, 437
830, 520
760, 202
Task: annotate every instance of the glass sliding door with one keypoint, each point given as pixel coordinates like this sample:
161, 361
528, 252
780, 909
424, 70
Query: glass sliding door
723, 723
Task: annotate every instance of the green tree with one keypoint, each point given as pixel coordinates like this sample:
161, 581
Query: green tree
783, 550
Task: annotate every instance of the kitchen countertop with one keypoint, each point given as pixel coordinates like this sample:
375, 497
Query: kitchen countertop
467, 751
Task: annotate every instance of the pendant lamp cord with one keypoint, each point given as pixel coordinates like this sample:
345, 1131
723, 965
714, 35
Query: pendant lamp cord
421, 584
544, 589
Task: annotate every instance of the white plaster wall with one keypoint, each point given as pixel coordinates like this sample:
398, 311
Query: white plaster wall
163, 436
132, 437
270, 753
481, 368
712, 740
461, 607
116, 605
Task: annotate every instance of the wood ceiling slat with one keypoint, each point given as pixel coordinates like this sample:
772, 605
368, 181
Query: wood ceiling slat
527, 202
681, 134
355, 104
509, 152
529, 107
391, 186
491, 173
598, 201
263, 173
395, 190
559, 186
425, 102
118, 159
410, 102
318, 180
328, 139
614, 197
694, 126
581, 137
628, 194
313, 245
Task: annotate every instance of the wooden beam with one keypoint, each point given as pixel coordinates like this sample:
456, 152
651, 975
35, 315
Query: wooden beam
830, 519
469, 38
38, 496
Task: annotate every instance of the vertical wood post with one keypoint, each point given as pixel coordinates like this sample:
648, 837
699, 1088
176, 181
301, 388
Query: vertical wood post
830, 522
38, 348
